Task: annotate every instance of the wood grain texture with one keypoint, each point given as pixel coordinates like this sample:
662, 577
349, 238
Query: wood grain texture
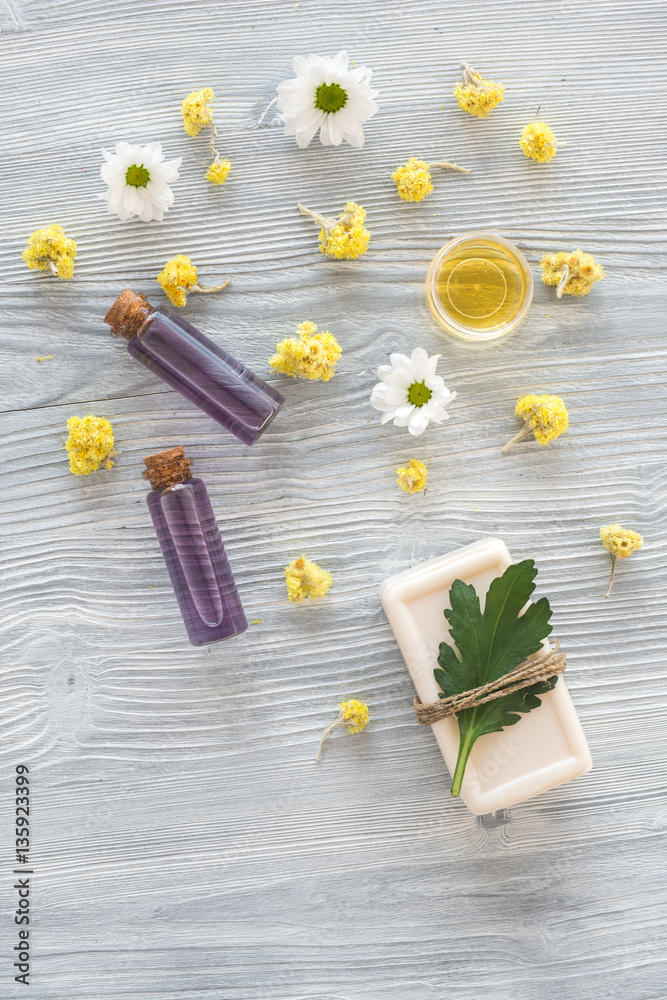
185, 843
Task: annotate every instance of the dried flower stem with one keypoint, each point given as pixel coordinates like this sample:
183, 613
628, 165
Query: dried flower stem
211, 145
207, 289
470, 77
565, 277
327, 224
324, 222
340, 721
524, 432
446, 165
611, 578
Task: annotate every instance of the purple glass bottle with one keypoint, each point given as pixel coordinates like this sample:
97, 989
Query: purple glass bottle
192, 547
191, 363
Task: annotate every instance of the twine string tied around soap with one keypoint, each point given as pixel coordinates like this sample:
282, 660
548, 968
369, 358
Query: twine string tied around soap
530, 672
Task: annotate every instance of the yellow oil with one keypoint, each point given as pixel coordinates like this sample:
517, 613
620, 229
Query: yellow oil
481, 285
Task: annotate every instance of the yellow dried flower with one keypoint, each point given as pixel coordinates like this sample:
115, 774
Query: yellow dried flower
345, 237
476, 95
348, 238
195, 110
309, 354
305, 579
545, 416
218, 171
412, 478
620, 543
196, 116
90, 444
413, 179
538, 142
49, 249
179, 277
354, 715
574, 273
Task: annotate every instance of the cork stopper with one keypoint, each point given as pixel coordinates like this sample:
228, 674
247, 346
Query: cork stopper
128, 314
167, 468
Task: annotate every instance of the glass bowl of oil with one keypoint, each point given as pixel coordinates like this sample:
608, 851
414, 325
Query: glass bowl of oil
479, 286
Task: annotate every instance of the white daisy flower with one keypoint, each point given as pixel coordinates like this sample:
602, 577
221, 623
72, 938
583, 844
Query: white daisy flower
410, 392
138, 179
328, 96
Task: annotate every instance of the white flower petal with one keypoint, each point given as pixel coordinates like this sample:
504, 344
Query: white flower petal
400, 361
418, 418
388, 398
152, 154
377, 396
354, 136
416, 428
378, 399
398, 379
439, 416
325, 138
160, 174
335, 131
300, 65
317, 74
170, 169
327, 64
389, 408
124, 151
131, 200
362, 74
108, 172
360, 101
314, 116
419, 364
341, 62
304, 137
296, 96
156, 189
433, 363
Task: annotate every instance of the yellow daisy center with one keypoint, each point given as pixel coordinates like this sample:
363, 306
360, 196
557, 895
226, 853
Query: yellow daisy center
419, 394
137, 176
330, 97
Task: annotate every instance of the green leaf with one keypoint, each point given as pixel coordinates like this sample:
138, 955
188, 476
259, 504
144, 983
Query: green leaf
490, 644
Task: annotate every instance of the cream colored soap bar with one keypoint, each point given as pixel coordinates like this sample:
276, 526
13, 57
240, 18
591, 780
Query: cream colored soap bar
546, 748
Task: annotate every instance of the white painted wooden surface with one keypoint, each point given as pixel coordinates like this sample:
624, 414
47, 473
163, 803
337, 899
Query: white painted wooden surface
185, 844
